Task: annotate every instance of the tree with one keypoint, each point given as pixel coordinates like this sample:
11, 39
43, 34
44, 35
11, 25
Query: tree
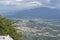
6, 28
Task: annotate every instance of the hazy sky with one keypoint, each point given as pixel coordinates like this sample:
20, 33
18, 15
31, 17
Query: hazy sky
12, 5
28, 4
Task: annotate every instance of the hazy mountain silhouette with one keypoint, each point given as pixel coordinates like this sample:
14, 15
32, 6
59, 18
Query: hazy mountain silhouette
41, 12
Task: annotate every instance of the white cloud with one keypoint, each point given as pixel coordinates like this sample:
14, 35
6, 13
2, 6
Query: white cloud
19, 0
28, 4
34, 3
5, 2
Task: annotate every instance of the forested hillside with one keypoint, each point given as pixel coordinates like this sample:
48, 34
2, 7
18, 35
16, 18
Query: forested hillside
7, 28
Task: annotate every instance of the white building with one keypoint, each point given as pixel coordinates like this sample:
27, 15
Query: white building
5, 37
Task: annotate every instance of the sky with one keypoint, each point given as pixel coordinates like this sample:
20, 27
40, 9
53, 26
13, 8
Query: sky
12, 5
28, 4
9, 5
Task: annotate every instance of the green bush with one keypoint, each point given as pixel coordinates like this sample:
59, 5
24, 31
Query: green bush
6, 28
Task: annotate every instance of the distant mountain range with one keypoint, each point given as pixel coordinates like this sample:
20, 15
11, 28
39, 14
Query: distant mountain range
41, 12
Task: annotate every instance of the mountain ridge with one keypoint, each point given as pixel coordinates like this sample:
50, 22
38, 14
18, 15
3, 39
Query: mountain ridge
41, 12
